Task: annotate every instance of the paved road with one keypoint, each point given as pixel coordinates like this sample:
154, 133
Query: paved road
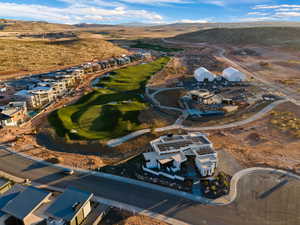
261, 201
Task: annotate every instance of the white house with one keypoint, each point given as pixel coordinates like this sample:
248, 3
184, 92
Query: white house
202, 74
169, 152
233, 75
171, 161
206, 161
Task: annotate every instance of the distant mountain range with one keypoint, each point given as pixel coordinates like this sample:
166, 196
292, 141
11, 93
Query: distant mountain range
41, 26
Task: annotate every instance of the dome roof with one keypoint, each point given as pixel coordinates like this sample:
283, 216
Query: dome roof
232, 74
201, 74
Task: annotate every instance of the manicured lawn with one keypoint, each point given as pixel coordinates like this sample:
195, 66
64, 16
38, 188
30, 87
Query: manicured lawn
110, 111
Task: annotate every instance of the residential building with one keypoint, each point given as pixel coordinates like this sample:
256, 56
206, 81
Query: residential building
59, 88
170, 151
36, 97
13, 114
6, 93
71, 207
23, 84
5, 197
44, 95
4, 119
5, 185
27, 96
22, 205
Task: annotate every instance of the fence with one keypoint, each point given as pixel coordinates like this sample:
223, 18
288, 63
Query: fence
173, 177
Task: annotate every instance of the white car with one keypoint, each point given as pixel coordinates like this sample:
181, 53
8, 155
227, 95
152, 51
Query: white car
68, 172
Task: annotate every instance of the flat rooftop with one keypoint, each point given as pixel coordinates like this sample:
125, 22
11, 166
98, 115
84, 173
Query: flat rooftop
164, 147
204, 151
25, 202
10, 194
68, 203
169, 143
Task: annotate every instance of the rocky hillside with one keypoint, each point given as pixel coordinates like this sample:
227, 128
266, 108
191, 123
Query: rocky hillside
33, 56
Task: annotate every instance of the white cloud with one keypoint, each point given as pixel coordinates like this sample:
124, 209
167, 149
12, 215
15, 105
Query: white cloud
218, 3
76, 12
233, 2
155, 2
101, 3
256, 19
275, 6
191, 21
287, 14
258, 13
278, 12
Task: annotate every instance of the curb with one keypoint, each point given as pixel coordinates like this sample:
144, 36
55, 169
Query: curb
123, 206
225, 200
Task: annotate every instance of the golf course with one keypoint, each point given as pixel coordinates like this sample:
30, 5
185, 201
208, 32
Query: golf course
111, 109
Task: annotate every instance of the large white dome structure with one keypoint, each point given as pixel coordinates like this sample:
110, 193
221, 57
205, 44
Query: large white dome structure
233, 75
202, 74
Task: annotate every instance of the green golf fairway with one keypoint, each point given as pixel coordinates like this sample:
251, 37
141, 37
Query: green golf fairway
110, 111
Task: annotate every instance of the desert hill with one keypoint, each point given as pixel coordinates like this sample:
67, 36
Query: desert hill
281, 36
31, 26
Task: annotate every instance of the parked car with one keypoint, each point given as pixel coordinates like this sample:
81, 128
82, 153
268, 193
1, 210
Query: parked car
68, 172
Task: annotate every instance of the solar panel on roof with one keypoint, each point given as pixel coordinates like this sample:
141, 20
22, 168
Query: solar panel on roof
205, 151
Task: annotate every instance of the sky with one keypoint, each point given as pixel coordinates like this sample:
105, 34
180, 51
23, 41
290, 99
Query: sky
150, 11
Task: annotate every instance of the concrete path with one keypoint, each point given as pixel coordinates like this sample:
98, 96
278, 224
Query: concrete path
177, 125
157, 103
184, 115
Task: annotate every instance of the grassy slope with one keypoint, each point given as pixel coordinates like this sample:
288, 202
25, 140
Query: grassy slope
29, 26
286, 36
111, 111
21, 55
